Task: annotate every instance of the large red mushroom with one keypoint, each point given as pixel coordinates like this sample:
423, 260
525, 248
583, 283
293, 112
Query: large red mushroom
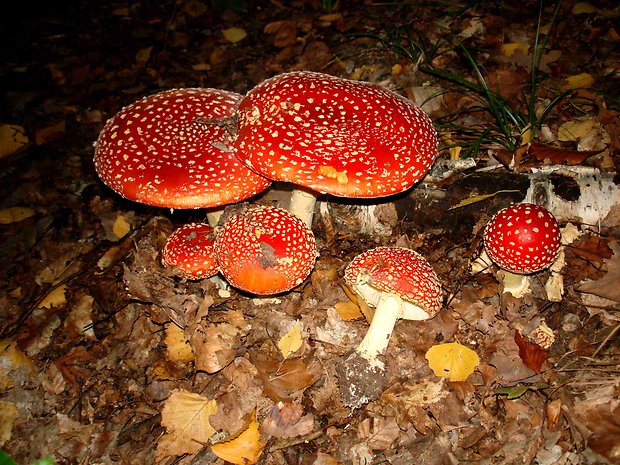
171, 149
333, 136
265, 250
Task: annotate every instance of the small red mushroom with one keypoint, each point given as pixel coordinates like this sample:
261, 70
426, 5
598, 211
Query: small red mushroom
190, 249
170, 149
400, 283
334, 136
522, 238
265, 250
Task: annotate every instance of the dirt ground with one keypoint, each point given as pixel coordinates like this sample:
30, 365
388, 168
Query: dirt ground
108, 357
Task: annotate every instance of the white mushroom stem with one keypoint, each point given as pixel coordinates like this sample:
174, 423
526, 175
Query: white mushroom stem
376, 340
302, 205
516, 284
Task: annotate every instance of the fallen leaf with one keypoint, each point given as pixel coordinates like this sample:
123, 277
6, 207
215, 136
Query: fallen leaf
12, 138
8, 415
286, 420
554, 414
578, 81
516, 391
143, 55
325, 459
477, 198
177, 348
452, 360
532, 355
607, 286
55, 298
583, 8
186, 418
348, 311
379, 433
49, 133
509, 49
291, 342
245, 449
285, 32
234, 34
560, 156
15, 214
15, 365
588, 133
121, 227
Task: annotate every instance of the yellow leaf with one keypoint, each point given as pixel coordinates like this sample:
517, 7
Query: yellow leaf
201, 67
55, 298
12, 138
476, 199
583, 8
186, 418
578, 81
291, 341
348, 310
453, 361
509, 49
178, 350
234, 34
245, 449
526, 135
121, 227
15, 214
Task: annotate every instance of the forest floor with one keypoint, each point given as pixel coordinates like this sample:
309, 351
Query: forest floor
92, 369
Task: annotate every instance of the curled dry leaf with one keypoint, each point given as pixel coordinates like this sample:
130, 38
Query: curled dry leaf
379, 433
286, 420
533, 355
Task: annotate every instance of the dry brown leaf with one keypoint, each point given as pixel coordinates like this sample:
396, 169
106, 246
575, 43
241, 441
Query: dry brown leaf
554, 414
49, 133
379, 433
532, 355
245, 449
8, 415
286, 420
15, 366
186, 418
55, 298
325, 459
607, 286
285, 33
560, 156
215, 345
79, 322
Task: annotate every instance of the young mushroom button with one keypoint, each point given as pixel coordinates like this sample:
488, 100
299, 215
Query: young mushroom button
190, 249
400, 283
523, 238
170, 149
333, 136
265, 250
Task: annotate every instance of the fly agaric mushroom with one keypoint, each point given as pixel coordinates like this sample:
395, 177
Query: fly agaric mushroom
400, 283
190, 249
170, 149
522, 239
265, 250
333, 136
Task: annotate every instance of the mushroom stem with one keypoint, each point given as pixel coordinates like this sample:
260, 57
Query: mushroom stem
302, 205
516, 284
377, 338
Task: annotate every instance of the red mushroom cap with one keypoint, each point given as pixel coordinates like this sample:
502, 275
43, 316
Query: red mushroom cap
401, 272
165, 150
265, 250
522, 238
190, 249
335, 136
